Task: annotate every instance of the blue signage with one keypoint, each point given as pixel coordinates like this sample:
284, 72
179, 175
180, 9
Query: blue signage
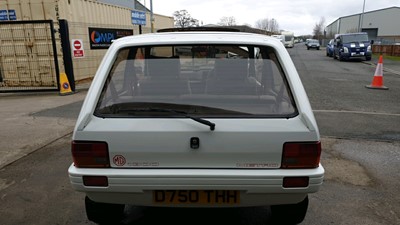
8, 15
101, 38
138, 17
12, 15
3, 15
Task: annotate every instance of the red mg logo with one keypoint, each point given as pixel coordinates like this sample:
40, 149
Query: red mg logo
119, 160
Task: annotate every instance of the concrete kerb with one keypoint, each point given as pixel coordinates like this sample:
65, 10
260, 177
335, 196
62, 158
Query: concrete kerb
392, 70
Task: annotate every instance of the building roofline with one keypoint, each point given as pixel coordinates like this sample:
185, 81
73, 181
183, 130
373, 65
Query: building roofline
372, 11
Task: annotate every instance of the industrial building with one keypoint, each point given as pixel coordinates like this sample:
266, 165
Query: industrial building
41, 39
381, 25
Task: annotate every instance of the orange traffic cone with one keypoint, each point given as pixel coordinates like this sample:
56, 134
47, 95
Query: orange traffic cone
377, 82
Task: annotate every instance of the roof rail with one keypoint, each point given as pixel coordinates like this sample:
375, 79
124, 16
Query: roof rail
180, 29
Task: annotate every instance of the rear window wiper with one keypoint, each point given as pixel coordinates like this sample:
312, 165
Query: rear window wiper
197, 119
185, 114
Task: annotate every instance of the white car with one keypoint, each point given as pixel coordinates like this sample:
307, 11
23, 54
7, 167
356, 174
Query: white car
196, 119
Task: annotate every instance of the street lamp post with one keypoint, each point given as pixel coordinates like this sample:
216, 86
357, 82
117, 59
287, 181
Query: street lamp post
361, 19
152, 16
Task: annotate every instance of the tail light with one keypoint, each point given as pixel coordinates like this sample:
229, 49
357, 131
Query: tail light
301, 155
87, 154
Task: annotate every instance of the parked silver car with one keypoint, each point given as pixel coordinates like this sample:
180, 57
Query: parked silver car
313, 43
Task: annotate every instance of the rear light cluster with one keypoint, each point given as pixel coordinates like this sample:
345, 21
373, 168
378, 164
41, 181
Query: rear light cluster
89, 154
301, 155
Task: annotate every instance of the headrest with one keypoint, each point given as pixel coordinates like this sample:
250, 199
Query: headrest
163, 67
231, 68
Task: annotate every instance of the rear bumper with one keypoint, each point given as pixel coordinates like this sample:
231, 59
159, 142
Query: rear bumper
257, 187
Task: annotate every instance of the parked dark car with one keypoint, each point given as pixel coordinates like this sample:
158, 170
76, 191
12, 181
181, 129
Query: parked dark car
352, 46
329, 48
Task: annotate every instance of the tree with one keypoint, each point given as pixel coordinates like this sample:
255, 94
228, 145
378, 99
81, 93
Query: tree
270, 25
227, 21
318, 30
184, 19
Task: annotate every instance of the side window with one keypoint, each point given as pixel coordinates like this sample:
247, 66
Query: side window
121, 65
162, 51
123, 76
139, 62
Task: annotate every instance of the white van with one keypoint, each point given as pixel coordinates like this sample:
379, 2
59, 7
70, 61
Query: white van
280, 37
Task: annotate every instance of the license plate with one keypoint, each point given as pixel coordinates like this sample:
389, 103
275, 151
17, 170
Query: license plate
205, 197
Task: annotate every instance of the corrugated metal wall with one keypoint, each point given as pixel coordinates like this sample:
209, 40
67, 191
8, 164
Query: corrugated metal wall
82, 14
382, 20
26, 55
349, 24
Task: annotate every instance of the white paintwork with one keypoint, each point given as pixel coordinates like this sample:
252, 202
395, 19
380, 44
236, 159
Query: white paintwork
223, 159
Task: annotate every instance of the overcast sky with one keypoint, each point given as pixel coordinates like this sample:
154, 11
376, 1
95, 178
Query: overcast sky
299, 16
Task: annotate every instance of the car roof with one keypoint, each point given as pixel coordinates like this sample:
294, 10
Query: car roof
201, 37
183, 29
347, 34
354, 33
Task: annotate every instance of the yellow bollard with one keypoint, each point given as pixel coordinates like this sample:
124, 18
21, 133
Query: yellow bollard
65, 87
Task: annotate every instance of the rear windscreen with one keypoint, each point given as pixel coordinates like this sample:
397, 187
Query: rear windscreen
205, 80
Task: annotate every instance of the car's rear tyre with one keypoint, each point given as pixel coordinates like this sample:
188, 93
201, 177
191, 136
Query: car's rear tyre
368, 58
289, 214
104, 213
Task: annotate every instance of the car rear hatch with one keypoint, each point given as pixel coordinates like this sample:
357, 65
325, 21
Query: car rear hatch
149, 115
184, 143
